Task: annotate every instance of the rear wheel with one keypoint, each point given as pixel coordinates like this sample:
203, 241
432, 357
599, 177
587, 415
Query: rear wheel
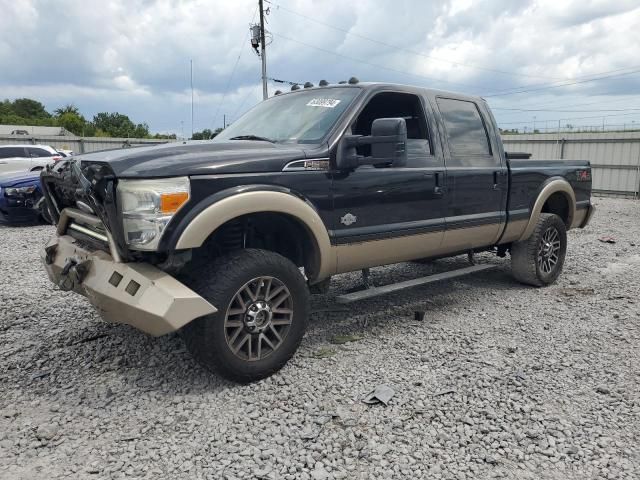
262, 301
538, 260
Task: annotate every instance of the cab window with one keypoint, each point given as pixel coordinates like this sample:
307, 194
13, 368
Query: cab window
398, 105
465, 133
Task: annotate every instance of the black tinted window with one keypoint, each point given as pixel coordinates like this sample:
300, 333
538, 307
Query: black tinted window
398, 105
8, 152
465, 130
39, 152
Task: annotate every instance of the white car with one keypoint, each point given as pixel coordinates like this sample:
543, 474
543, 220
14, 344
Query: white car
23, 158
65, 153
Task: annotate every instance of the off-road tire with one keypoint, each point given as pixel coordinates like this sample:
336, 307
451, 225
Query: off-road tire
219, 282
525, 265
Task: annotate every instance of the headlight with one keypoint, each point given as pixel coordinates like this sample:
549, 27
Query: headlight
19, 191
147, 206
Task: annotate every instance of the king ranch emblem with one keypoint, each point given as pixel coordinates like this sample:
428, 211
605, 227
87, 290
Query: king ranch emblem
348, 219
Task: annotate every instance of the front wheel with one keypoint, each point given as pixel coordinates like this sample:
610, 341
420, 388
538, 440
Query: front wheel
262, 301
538, 260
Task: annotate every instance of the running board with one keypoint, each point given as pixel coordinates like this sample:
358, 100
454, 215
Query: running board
394, 287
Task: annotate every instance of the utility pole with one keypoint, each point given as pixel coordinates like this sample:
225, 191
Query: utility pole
224, 121
263, 54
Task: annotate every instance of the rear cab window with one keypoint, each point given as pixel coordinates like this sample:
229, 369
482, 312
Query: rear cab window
466, 133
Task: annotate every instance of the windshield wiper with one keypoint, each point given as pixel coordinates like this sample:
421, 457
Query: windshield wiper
252, 137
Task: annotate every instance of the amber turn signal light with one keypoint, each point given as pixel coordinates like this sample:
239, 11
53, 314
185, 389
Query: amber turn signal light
171, 202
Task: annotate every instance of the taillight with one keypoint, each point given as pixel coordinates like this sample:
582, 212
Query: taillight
57, 159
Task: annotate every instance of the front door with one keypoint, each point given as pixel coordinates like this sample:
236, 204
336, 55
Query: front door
476, 176
390, 214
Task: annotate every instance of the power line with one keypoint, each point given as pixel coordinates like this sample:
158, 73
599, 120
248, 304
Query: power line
224, 95
364, 62
406, 50
570, 105
572, 111
570, 118
562, 85
277, 80
511, 91
581, 77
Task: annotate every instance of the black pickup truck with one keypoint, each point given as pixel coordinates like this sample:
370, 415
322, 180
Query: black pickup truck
224, 239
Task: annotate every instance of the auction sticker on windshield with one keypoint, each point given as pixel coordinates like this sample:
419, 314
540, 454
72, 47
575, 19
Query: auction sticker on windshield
323, 102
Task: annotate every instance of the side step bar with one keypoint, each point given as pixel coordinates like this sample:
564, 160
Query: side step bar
394, 287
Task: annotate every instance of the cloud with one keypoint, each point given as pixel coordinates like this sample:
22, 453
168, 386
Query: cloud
133, 56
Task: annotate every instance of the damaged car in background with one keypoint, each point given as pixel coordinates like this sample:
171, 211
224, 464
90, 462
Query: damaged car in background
21, 199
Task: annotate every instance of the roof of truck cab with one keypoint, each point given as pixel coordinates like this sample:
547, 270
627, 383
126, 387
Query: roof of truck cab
389, 86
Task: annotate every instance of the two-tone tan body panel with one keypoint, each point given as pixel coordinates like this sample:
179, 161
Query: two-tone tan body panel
333, 259
355, 256
554, 186
211, 218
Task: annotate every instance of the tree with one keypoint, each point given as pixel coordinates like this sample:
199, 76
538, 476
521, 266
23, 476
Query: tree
28, 108
118, 125
73, 122
68, 108
164, 136
205, 134
26, 111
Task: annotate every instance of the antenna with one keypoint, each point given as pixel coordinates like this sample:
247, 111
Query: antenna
191, 63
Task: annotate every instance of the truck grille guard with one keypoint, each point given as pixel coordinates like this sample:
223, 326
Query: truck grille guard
87, 224
92, 220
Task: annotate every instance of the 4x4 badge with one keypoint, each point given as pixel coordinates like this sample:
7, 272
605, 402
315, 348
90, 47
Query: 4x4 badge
348, 219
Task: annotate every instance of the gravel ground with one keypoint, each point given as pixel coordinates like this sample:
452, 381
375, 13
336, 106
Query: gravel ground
498, 380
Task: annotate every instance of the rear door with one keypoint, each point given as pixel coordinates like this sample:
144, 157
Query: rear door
476, 175
14, 159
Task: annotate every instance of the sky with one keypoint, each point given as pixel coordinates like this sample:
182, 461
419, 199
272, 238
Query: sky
538, 63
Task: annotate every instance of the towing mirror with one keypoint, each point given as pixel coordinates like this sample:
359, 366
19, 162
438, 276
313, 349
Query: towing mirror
388, 142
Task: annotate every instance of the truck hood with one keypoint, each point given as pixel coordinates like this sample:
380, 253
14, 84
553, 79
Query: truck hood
196, 158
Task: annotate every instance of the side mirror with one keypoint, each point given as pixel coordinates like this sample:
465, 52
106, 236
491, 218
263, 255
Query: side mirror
388, 142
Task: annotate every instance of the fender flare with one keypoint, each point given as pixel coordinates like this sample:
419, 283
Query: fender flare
554, 185
215, 215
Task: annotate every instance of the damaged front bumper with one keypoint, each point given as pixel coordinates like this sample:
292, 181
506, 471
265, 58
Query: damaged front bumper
136, 294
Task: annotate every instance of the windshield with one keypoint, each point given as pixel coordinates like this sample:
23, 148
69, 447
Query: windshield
302, 117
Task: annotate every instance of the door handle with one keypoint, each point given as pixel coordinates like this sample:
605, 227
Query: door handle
438, 189
496, 179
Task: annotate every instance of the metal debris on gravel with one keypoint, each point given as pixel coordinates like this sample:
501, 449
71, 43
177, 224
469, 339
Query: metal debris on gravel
503, 380
380, 394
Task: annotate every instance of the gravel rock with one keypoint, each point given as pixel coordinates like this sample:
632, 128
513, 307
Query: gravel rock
499, 380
